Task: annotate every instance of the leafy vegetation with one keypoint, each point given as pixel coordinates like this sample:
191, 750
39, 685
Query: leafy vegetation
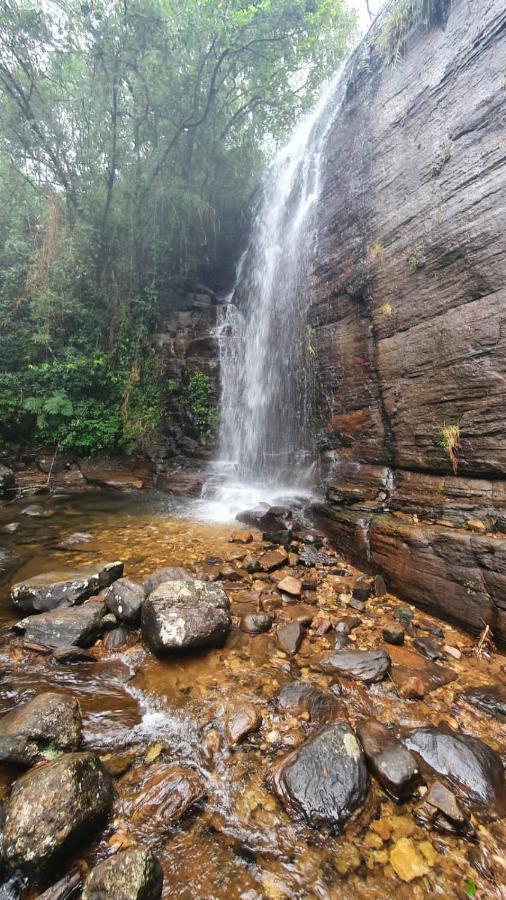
401, 17
132, 134
449, 439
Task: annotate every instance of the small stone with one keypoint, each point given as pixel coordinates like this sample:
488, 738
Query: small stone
321, 626
289, 637
68, 655
452, 651
118, 639
428, 648
40, 729
362, 588
229, 573
290, 585
365, 665
273, 560
380, 587
406, 861
241, 537
255, 623
11, 527
359, 605
413, 688
477, 526
394, 634
241, 719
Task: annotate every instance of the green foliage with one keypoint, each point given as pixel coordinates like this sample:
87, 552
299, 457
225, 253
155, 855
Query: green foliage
449, 440
470, 888
402, 16
197, 395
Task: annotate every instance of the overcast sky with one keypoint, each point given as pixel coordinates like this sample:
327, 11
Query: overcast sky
361, 7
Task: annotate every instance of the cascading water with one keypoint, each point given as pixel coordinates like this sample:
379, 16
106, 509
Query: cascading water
266, 351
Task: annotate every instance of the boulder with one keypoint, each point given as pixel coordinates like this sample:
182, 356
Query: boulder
45, 726
7, 481
79, 625
466, 762
273, 560
289, 637
255, 623
392, 765
53, 590
490, 698
124, 599
182, 615
160, 576
364, 665
394, 634
299, 697
53, 809
242, 718
325, 780
128, 875
118, 639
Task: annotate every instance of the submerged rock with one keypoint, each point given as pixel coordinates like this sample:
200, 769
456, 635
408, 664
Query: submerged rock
160, 576
300, 697
128, 875
255, 623
490, 699
469, 764
165, 795
406, 861
180, 615
47, 725
364, 665
53, 590
325, 780
124, 599
440, 810
80, 625
66, 655
54, 808
242, 718
391, 763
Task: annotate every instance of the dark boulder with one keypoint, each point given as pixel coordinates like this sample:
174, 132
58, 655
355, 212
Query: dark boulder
124, 599
47, 725
118, 639
181, 615
128, 875
53, 809
394, 634
490, 698
393, 765
325, 780
469, 765
364, 665
53, 590
160, 576
80, 625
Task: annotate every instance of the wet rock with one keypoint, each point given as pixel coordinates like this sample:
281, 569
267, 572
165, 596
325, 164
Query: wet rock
428, 648
124, 599
394, 634
406, 861
469, 765
359, 605
229, 573
440, 810
363, 588
7, 481
165, 795
325, 780
79, 625
407, 664
290, 585
490, 699
252, 565
255, 623
11, 528
282, 538
341, 641
346, 625
241, 537
45, 726
78, 537
310, 556
393, 765
413, 688
54, 808
118, 639
300, 697
289, 637
242, 718
69, 655
36, 511
161, 576
53, 590
364, 665
128, 875
180, 615
112, 479
380, 587
64, 889
273, 560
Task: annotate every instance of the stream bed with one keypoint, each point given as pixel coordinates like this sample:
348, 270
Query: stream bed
142, 714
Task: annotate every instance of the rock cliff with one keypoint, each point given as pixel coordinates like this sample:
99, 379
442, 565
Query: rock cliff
408, 313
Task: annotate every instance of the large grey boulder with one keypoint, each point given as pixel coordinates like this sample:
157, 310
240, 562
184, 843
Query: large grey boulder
52, 590
325, 780
124, 599
54, 808
78, 626
47, 725
128, 875
181, 615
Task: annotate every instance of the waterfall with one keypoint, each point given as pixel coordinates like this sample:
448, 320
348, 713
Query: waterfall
266, 351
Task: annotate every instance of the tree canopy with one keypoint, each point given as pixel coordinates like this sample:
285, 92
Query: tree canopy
132, 133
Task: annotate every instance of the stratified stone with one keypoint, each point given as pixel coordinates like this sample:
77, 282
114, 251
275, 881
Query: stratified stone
165, 795
181, 615
53, 590
393, 765
490, 698
40, 729
128, 875
242, 718
54, 809
80, 625
364, 665
124, 599
325, 780
469, 765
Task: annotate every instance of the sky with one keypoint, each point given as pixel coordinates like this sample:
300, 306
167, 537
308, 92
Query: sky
361, 8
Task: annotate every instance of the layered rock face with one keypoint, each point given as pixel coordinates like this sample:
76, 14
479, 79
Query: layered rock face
408, 314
